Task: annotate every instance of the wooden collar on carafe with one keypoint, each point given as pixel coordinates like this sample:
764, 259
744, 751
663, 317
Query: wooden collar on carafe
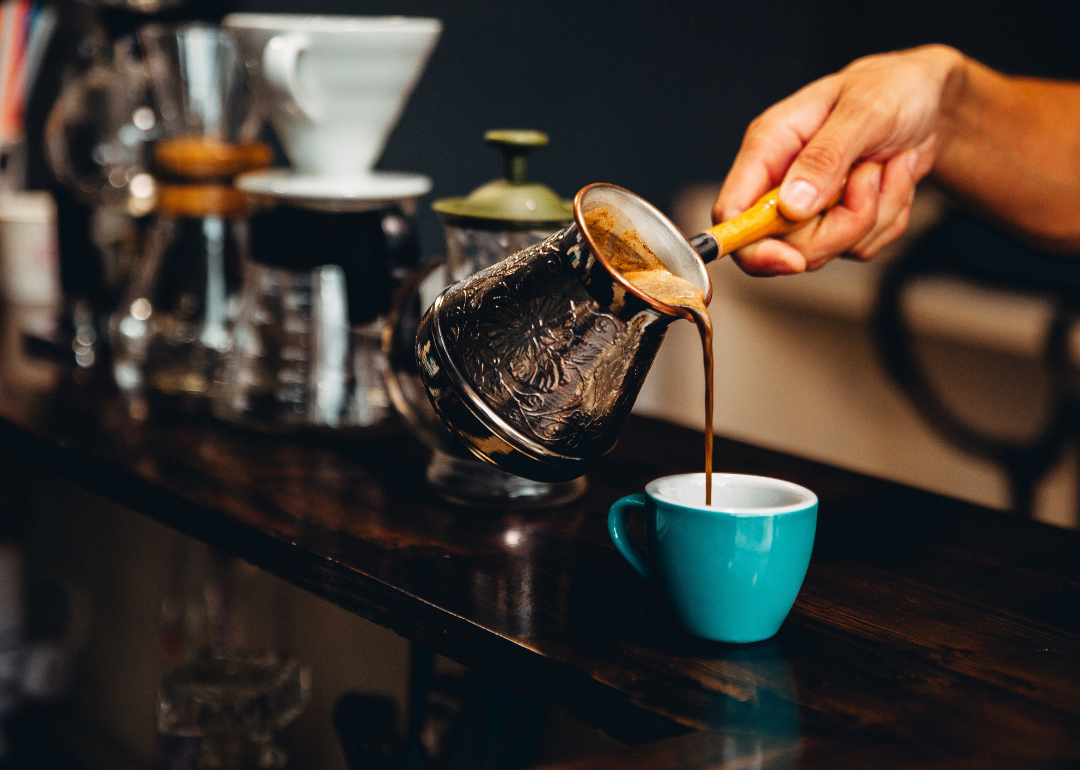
196, 175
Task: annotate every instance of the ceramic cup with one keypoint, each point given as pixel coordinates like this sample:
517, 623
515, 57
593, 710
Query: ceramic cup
333, 87
730, 571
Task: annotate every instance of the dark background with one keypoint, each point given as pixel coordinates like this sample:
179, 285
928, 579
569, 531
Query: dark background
650, 96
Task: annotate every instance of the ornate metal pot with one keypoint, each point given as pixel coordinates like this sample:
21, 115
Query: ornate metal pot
535, 362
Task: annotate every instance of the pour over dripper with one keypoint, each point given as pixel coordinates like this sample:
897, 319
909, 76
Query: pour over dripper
333, 87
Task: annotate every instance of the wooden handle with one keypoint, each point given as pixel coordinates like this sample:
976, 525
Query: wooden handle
761, 220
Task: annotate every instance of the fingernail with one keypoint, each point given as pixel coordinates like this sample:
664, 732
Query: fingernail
876, 176
799, 194
912, 161
783, 268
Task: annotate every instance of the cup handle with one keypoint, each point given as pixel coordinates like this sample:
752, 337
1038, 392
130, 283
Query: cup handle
280, 57
620, 533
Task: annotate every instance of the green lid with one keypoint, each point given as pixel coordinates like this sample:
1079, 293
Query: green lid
513, 203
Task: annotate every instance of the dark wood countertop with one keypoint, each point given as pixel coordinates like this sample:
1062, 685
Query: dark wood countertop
929, 632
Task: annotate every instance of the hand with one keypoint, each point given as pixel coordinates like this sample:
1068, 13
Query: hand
874, 123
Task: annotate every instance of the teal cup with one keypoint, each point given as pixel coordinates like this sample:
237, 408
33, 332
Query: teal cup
729, 571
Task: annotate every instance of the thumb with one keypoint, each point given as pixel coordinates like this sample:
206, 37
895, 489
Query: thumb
818, 172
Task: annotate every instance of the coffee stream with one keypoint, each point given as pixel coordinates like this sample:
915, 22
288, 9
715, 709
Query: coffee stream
628, 254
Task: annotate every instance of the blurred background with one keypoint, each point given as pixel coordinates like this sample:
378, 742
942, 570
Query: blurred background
653, 97
643, 95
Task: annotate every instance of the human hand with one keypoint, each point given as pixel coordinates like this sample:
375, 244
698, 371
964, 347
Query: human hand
874, 123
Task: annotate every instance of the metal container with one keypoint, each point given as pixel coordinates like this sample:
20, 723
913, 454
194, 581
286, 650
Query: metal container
497, 219
535, 362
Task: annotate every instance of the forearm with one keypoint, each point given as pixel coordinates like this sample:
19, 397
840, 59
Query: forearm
1009, 148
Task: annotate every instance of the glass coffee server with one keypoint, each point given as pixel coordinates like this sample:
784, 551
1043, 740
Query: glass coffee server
306, 351
174, 321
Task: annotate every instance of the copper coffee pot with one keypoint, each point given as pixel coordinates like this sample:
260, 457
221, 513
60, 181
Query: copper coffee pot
535, 362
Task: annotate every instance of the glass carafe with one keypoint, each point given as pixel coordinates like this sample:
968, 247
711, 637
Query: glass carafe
176, 315
97, 144
97, 133
307, 352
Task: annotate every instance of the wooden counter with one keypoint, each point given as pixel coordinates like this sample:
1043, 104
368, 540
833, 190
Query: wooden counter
928, 633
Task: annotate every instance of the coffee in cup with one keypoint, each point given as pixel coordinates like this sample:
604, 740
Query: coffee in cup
729, 571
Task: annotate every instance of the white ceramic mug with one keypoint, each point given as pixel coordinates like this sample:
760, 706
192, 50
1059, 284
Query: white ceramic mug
334, 87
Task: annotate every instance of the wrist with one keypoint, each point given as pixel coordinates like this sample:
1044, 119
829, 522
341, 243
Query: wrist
952, 69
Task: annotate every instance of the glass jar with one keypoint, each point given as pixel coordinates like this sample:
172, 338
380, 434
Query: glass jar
307, 344
496, 220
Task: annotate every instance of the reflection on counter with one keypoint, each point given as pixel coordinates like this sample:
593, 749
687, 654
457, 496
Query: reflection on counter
760, 693
228, 683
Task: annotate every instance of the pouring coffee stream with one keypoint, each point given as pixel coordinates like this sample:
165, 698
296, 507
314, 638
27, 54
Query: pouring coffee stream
535, 362
646, 271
